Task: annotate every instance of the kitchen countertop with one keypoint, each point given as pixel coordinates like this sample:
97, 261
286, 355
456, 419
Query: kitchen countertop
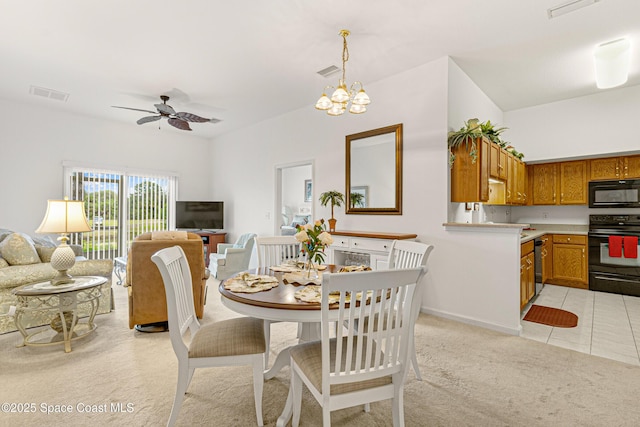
529, 231
537, 230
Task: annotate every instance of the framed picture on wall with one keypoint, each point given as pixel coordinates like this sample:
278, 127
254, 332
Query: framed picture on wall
307, 190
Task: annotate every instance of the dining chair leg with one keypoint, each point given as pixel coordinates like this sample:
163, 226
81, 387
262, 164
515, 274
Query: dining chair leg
267, 341
258, 386
184, 375
414, 363
397, 405
296, 394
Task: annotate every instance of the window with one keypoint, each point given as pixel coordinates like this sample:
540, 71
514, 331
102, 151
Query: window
119, 205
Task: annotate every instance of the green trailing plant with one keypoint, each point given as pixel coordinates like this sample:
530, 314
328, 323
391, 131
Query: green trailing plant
335, 198
470, 132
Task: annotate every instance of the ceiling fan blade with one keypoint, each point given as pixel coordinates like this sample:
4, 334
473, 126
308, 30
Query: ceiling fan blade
180, 124
148, 119
191, 117
165, 109
135, 109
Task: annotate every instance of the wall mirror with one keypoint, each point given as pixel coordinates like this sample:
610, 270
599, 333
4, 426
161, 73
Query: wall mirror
374, 171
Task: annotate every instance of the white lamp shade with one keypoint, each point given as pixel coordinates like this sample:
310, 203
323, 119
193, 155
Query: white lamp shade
336, 110
357, 109
361, 98
340, 94
64, 216
324, 103
612, 63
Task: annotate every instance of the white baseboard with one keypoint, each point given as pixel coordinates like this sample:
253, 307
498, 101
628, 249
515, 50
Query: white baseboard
474, 322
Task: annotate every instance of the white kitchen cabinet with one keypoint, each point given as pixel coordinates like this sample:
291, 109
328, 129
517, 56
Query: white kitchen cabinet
368, 248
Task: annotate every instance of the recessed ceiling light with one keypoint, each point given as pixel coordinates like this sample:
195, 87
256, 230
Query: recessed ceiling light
568, 7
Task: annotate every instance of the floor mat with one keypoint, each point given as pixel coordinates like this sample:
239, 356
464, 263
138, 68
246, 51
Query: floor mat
551, 316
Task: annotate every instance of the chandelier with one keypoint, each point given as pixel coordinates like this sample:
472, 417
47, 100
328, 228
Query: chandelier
341, 97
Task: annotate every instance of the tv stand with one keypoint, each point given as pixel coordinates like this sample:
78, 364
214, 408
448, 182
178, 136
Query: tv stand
210, 240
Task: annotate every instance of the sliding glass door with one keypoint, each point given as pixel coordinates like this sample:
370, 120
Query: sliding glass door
120, 206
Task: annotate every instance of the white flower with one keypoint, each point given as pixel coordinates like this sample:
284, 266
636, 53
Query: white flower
302, 236
325, 238
308, 226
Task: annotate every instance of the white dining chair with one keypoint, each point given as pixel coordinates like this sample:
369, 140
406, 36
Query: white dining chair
275, 250
237, 341
408, 254
359, 366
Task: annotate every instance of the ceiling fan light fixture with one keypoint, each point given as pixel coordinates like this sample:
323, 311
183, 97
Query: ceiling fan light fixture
341, 97
612, 60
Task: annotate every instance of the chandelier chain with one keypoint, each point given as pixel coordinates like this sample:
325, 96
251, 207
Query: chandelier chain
345, 56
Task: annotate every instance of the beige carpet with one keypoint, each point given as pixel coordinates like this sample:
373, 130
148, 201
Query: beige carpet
472, 377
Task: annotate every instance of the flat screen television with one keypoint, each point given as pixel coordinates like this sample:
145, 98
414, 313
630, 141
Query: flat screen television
199, 215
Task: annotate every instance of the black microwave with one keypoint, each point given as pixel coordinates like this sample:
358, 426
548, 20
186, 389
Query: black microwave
614, 194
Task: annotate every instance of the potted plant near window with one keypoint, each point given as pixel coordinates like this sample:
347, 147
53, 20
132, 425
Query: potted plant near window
336, 198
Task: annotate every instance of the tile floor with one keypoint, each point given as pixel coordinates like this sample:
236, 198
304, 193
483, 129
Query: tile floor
608, 324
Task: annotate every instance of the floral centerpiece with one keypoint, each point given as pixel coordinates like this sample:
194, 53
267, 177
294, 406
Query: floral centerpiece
314, 238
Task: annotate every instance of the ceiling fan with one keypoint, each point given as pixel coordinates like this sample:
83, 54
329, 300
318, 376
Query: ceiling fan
179, 120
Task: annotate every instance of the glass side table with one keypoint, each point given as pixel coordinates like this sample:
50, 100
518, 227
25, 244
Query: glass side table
63, 300
120, 267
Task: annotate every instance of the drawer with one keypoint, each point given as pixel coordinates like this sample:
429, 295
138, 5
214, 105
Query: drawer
340, 242
526, 248
574, 239
380, 245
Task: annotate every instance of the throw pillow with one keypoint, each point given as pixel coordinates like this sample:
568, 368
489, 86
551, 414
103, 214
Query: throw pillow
3, 263
18, 249
45, 252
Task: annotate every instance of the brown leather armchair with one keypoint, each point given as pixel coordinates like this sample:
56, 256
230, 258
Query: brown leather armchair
147, 299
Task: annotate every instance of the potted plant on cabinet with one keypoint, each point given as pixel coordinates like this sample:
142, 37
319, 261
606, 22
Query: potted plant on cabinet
469, 134
336, 198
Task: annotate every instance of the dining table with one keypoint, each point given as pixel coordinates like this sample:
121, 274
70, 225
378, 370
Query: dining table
281, 305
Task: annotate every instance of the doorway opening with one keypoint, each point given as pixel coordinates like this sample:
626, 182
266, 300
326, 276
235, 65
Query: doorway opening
294, 197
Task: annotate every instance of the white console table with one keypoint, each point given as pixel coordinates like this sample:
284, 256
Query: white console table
363, 247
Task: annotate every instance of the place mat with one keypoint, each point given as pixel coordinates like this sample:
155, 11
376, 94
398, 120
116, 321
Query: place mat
293, 267
300, 277
352, 268
551, 316
250, 283
313, 293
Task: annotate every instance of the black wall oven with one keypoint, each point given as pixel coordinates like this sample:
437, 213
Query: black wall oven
614, 194
614, 260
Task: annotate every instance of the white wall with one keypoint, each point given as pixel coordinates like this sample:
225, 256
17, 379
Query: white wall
35, 141
587, 126
418, 98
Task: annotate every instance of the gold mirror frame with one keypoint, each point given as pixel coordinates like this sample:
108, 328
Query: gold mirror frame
396, 130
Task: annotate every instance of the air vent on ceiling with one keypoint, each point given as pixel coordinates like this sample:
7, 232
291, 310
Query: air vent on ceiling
568, 7
329, 71
49, 93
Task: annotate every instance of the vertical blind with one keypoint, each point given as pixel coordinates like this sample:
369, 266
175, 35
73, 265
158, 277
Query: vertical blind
119, 205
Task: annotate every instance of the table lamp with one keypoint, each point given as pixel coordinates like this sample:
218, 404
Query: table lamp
64, 217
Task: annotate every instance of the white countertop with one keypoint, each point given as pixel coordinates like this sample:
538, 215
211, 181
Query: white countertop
529, 231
